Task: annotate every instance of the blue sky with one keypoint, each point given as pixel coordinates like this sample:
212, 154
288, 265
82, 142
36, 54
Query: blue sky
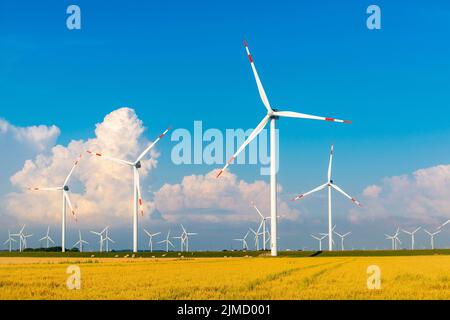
183, 61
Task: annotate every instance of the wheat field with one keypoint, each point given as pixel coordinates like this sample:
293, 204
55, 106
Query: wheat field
420, 277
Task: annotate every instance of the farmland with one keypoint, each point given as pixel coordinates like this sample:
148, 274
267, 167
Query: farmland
344, 277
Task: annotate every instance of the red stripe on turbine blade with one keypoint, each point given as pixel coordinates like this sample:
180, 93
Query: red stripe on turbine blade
245, 43
140, 202
231, 160
347, 121
329, 119
250, 58
220, 172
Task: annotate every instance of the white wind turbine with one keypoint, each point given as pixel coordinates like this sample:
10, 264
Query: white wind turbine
167, 242
244, 241
24, 239
181, 238
264, 226
100, 234
137, 197
432, 234
272, 115
150, 238
80, 242
394, 238
9, 241
256, 234
65, 201
47, 238
342, 236
412, 234
20, 236
186, 237
108, 239
330, 185
320, 240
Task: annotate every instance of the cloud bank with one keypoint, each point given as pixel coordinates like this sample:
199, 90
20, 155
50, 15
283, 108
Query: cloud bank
421, 197
101, 190
204, 198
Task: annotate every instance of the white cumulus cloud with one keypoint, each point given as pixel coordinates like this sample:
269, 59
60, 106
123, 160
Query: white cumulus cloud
101, 190
421, 197
204, 198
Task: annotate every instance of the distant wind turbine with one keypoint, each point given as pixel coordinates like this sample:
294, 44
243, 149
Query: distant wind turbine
80, 242
150, 238
137, 198
432, 234
412, 233
167, 242
10, 241
47, 238
330, 185
64, 189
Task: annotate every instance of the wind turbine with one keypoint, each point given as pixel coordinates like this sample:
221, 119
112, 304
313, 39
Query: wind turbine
244, 241
320, 240
263, 225
330, 184
256, 234
108, 239
10, 241
328, 235
412, 236
20, 236
186, 237
181, 238
65, 201
432, 234
100, 234
24, 239
342, 236
394, 238
47, 237
167, 242
272, 115
137, 197
80, 242
150, 239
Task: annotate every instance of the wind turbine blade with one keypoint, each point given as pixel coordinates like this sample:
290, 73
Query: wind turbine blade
291, 114
148, 233
315, 237
257, 210
252, 136
156, 234
444, 224
72, 170
143, 154
51, 240
345, 194
261, 91
417, 230
45, 189
330, 163
66, 195
127, 163
427, 231
319, 188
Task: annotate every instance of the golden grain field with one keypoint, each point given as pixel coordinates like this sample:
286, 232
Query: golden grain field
420, 277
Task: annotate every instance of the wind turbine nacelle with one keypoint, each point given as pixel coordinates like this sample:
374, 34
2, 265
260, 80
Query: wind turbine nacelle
66, 188
275, 117
138, 165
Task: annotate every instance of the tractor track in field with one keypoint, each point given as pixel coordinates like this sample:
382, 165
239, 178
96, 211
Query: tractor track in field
279, 275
